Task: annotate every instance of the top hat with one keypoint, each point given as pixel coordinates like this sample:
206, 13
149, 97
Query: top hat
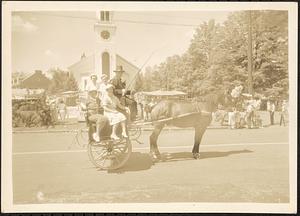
119, 69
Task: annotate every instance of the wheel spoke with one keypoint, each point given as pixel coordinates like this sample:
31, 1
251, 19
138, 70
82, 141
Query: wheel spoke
101, 155
110, 154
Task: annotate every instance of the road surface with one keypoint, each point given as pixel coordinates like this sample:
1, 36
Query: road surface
246, 165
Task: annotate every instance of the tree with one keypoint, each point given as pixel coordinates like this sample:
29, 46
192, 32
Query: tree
217, 57
138, 82
71, 83
62, 81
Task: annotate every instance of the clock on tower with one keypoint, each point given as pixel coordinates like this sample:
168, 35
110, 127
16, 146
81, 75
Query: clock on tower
105, 34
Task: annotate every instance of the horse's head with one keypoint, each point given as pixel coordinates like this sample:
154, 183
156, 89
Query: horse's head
215, 99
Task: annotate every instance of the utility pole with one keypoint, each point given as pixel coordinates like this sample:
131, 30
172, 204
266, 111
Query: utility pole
250, 79
167, 76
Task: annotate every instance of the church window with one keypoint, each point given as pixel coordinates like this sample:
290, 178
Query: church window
102, 15
107, 15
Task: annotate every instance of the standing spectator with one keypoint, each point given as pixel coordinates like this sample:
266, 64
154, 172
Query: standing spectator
231, 118
283, 112
271, 109
138, 97
256, 107
148, 108
48, 113
250, 114
242, 119
62, 110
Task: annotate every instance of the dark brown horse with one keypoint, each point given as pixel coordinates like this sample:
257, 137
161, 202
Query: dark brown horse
199, 119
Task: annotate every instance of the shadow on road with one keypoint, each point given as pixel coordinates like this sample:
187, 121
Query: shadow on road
137, 161
166, 157
205, 155
142, 161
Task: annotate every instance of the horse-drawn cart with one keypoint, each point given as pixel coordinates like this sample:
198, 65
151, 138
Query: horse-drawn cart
109, 154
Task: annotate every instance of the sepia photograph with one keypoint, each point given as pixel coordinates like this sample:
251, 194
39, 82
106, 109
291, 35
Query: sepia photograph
149, 107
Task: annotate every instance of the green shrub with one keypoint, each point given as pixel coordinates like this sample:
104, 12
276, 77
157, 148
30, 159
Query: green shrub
31, 113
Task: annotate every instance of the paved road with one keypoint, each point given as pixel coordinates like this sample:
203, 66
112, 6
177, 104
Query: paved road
235, 166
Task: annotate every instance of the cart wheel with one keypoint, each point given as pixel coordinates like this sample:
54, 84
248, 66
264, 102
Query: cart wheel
110, 154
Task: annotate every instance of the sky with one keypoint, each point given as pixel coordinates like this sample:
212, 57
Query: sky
42, 40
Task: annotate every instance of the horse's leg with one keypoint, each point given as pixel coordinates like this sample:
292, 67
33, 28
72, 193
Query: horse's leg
199, 131
197, 139
154, 152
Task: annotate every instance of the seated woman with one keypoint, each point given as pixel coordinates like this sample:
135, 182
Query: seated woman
110, 104
95, 114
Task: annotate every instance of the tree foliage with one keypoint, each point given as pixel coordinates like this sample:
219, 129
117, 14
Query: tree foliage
217, 57
62, 81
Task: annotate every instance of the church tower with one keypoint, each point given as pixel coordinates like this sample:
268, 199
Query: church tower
105, 54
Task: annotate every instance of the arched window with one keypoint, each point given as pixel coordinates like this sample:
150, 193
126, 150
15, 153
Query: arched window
105, 64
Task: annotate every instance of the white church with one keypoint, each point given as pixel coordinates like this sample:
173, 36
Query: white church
105, 59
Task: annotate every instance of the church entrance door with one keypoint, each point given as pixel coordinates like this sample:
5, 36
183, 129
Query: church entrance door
106, 64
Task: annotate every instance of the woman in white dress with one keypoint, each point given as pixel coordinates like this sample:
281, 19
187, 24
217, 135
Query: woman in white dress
110, 104
102, 86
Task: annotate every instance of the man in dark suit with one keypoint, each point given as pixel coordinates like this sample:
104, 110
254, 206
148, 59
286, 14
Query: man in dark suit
120, 91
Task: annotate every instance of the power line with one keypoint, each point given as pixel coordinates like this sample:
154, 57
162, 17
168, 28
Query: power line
156, 23
122, 20
155, 15
65, 16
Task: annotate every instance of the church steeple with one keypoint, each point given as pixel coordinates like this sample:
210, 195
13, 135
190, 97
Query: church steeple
105, 30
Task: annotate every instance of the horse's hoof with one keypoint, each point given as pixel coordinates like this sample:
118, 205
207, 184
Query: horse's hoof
158, 155
196, 155
154, 157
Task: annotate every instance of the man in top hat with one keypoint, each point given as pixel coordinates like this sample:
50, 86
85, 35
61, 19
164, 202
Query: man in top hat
119, 85
120, 91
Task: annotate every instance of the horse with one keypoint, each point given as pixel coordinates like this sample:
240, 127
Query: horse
198, 115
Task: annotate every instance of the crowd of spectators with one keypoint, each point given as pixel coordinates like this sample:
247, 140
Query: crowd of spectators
244, 111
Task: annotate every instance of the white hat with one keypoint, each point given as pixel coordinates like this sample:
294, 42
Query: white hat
93, 75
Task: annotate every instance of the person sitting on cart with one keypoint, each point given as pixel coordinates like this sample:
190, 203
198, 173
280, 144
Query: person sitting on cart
95, 114
111, 104
119, 85
120, 92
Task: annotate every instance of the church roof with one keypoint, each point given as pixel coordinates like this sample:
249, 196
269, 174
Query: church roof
88, 61
128, 62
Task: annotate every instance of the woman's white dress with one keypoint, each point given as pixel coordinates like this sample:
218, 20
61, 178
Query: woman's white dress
102, 90
112, 103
